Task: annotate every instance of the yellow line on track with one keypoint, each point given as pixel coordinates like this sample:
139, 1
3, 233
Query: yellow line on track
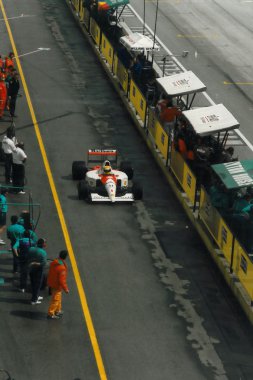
79, 284
239, 83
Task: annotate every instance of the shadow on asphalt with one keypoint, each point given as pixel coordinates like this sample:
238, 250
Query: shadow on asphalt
37, 315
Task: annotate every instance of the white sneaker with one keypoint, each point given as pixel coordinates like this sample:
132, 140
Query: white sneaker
21, 192
36, 302
40, 298
2, 242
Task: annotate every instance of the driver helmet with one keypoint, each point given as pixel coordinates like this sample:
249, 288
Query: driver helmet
107, 167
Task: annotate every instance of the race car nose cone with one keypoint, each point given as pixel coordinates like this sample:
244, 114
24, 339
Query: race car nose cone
111, 190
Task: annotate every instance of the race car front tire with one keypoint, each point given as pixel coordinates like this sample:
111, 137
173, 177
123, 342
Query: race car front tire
79, 170
137, 191
126, 167
83, 190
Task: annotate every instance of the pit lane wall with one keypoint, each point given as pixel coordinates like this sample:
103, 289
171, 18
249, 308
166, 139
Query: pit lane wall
230, 256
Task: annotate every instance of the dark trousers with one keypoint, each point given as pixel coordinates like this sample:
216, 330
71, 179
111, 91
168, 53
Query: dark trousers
12, 104
23, 274
36, 274
18, 176
8, 166
15, 262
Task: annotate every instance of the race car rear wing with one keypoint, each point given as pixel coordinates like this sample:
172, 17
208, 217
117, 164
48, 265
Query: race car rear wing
101, 155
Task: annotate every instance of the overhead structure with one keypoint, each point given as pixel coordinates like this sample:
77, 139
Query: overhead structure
178, 85
139, 42
211, 120
235, 174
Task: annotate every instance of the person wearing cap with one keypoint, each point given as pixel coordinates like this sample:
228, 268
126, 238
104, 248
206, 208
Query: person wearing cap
37, 260
3, 94
18, 168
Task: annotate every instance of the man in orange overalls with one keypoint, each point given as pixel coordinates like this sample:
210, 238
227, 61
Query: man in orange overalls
57, 281
3, 95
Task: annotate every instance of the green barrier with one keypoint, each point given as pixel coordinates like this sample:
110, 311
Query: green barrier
243, 268
107, 50
121, 73
95, 31
138, 100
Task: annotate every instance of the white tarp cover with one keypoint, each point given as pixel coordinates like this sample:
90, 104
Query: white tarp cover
210, 120
181, 84
139, 42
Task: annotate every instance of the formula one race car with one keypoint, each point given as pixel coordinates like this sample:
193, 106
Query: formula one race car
99, 182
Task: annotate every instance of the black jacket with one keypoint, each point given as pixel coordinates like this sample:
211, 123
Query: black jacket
13, 87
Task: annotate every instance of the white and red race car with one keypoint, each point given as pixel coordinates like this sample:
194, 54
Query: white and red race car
99, 182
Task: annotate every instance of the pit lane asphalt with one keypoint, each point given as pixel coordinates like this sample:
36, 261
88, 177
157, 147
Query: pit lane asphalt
159, 306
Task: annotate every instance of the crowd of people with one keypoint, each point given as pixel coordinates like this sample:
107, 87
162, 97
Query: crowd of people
30, 258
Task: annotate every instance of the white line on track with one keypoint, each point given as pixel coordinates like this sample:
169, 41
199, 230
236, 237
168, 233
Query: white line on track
15, 17
239, 133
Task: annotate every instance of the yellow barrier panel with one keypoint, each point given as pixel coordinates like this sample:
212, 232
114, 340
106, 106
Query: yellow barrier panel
86, 18
243, 268
225, 240
177, 164
162, 140
95, 31
184, 175
138, 100
189, 183
216, 225
152, 122
81, 11
107, 50
121, 72
76, 4
209, 215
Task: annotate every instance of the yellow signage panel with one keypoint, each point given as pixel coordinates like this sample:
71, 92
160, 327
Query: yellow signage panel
189, 183
225, 240
138, 100
122, 74
162, 140
243, 268
107, 50
95, 31
177, 164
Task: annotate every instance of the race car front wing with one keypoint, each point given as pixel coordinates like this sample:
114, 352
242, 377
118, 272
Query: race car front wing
128, 197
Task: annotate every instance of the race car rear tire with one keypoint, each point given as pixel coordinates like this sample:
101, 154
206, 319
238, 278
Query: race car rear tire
137, 191
83, 190
126, 167
79, 170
